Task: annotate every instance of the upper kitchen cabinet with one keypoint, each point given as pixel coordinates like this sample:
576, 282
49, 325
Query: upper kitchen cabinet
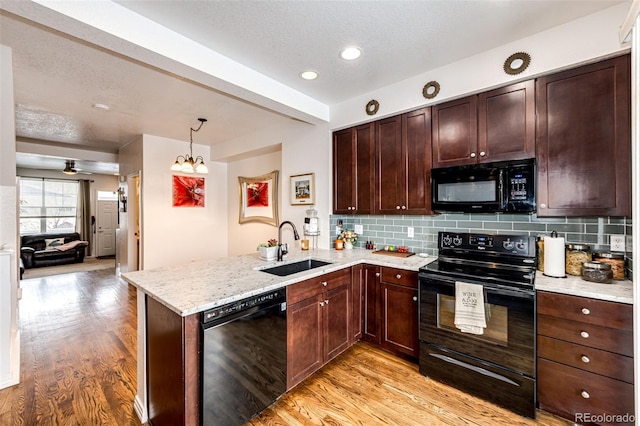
583, 140
353, 168
493, 126
403, 164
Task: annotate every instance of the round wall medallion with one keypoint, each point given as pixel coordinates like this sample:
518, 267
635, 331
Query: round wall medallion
372, 107
431, 89
517, 63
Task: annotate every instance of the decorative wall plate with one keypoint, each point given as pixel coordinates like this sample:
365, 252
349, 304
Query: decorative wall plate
372, 107
517, 63
431, 89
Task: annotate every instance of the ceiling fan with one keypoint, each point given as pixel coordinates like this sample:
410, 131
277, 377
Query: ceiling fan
70, 168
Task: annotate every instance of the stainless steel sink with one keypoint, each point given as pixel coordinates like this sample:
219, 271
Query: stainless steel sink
295, 267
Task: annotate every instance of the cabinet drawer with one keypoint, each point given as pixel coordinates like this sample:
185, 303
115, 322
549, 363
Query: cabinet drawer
608, 364
314, 286
400, 277
571, 392
608, 339
592, 311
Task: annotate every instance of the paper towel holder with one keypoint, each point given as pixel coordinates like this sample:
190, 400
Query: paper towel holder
560, 273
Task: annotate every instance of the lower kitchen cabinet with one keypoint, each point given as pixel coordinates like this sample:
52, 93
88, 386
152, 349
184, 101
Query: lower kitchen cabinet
585, 358
318, 323
391, 309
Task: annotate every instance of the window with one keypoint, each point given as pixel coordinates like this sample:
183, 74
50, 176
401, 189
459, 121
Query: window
47, 206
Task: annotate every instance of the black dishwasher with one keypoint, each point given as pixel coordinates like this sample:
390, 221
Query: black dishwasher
244, 358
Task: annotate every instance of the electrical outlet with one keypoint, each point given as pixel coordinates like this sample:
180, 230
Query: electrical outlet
358, 229
410, 232
617, 242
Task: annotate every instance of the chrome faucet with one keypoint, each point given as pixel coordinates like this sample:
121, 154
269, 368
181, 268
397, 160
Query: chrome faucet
284, 248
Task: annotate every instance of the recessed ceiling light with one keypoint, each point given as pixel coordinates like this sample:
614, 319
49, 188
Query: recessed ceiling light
309, 75
101, 107
350, 53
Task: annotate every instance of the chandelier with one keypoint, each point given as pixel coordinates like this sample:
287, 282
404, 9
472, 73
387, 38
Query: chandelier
186, 163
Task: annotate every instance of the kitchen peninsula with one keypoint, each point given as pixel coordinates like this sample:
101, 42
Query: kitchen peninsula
176, 296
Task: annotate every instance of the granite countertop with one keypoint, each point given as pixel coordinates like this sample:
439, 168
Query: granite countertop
618, 291
197, 286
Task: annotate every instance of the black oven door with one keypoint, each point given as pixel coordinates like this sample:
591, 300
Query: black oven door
508, 340
468, 189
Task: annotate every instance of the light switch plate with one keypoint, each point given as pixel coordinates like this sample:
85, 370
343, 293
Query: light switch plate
617, 242
358, 229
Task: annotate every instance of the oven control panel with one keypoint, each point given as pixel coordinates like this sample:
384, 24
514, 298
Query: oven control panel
520, 245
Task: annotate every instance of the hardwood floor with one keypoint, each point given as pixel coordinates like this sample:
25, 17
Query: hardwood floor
78, 367
78, 352
367, 386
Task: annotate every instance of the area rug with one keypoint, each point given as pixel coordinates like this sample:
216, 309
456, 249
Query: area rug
89, 264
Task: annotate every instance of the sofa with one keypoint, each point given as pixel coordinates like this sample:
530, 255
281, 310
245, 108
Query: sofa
38, 250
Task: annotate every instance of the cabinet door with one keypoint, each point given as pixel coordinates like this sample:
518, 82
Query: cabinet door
336, 321
344, 171
371, 321
455, 132
506, 123
400, 319
353, 170
357, 302
583, 140
416, 138
390, 166
304, 339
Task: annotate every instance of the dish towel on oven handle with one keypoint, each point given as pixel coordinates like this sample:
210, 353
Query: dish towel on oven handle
470, 315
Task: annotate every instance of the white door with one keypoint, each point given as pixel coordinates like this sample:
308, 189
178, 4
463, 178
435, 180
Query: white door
107, 222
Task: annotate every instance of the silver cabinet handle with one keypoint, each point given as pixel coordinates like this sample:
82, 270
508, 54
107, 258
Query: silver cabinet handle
321, 303
324, 283
586, 311
398, 276
585, 359
404, 207
482, 153
585, 394
397, 207
415, 298
326, 302
584, 334
377, 274
543, 206
473, 155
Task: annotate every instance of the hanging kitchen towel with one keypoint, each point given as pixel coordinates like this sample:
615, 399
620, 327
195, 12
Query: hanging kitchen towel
469, 315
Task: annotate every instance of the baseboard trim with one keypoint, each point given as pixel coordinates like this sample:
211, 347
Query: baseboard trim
140, 409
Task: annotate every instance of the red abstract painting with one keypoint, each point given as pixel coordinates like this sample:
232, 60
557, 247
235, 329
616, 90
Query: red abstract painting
258, 194
188, 191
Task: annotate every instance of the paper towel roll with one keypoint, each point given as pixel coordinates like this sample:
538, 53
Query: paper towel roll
554, 257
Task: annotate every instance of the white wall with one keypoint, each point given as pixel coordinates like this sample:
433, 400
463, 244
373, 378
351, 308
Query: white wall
306, 148
579, 41
177, 235
245, 237
9, 332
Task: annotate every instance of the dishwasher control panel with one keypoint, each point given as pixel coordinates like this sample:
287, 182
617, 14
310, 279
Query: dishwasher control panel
270, 298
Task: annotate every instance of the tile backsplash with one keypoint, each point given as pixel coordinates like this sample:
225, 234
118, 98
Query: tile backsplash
392, 230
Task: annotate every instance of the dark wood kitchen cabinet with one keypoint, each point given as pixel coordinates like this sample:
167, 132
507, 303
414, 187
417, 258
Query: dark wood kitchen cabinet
173, 366
583, 140
403, 164
318, 323
353, 170
589, 344
391, 310
496, 125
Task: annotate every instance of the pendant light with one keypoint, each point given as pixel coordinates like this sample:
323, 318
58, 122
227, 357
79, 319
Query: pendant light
186, 163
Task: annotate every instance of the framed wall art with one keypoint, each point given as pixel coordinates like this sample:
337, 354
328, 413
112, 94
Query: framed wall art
259, 198
188, 191
303, 189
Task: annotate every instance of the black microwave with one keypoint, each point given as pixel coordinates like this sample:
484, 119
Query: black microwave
507, 186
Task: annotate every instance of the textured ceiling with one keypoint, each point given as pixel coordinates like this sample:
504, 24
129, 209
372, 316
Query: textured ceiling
57, 77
